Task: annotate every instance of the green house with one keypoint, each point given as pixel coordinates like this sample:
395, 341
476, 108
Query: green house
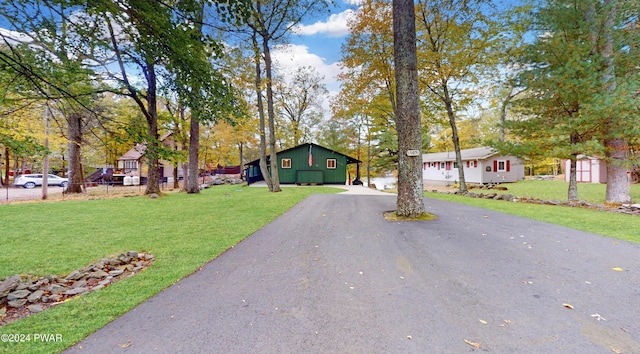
305, 164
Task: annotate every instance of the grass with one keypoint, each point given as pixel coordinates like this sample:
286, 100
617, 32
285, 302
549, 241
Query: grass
619, 226
557, 190
182, 231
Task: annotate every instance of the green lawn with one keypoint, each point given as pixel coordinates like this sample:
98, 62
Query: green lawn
182, 231
620, 226
557, 190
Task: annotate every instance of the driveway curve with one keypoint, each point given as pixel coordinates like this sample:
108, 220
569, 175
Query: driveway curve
331, 275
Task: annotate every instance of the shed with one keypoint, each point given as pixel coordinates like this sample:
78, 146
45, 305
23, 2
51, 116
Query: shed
588, 169
305, 164
481, 165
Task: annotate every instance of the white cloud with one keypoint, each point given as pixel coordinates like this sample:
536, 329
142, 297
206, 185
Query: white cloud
289, 57
335, 26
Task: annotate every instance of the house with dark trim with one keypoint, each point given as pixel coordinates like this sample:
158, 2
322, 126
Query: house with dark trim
305, 164
481, 165
133, 163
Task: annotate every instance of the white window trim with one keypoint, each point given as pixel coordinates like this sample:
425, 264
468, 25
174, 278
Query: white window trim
335, 164
504, 166
282, 163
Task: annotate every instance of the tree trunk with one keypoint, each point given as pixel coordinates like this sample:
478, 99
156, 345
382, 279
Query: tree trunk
573, 180
271, 115
240, 148
263, 134
45, 161
617, 150
194, 143
410, 200
152, 151
7, 161
455, 138
616, 147
176, 178
74, 130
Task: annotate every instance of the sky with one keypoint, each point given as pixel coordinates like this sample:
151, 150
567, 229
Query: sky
317, 43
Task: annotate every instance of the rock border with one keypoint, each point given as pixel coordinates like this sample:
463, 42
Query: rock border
23, 295
630, 209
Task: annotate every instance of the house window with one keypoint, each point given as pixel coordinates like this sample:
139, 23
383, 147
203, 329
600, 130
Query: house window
455, 164
130, 165
285, 163
442, 165
331, 164
501, 166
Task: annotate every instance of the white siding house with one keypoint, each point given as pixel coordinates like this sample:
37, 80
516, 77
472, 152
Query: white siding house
588, 169
481, 165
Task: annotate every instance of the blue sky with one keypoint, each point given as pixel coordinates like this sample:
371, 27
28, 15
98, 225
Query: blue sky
317, 44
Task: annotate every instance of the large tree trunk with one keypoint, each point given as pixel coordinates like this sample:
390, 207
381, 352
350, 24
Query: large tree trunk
194, 144
263, 133
616, 148
410, 200
272, 117
153, 145
455, 138
74, 130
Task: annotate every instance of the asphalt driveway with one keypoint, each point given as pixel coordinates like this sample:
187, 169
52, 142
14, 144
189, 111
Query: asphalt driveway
332, 276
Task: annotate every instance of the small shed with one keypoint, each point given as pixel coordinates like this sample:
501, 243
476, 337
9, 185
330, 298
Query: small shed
305, 164
481, 165
589, 169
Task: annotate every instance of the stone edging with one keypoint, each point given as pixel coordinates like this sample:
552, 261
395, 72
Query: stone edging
21, 296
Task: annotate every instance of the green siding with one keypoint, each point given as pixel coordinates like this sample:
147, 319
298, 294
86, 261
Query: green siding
310, 177
300, 162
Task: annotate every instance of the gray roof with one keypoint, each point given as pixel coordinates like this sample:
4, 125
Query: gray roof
480, 153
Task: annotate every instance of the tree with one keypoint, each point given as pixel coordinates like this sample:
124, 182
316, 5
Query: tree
456, 37
54, 68
161, 40
602, 18
573, 101
299, 102
410, 192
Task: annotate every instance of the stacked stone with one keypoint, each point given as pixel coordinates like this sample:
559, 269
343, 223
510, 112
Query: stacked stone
37, 293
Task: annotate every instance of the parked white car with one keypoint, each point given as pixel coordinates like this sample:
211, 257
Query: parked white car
32, 180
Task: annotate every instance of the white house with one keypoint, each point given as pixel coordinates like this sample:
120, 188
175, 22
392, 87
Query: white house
132, 162
481, 165
588, 169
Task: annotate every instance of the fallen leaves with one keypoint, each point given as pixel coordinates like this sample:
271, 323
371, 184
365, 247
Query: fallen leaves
618, 269
569, 306
473, 344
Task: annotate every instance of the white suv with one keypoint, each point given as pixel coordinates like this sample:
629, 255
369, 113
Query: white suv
32, 180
